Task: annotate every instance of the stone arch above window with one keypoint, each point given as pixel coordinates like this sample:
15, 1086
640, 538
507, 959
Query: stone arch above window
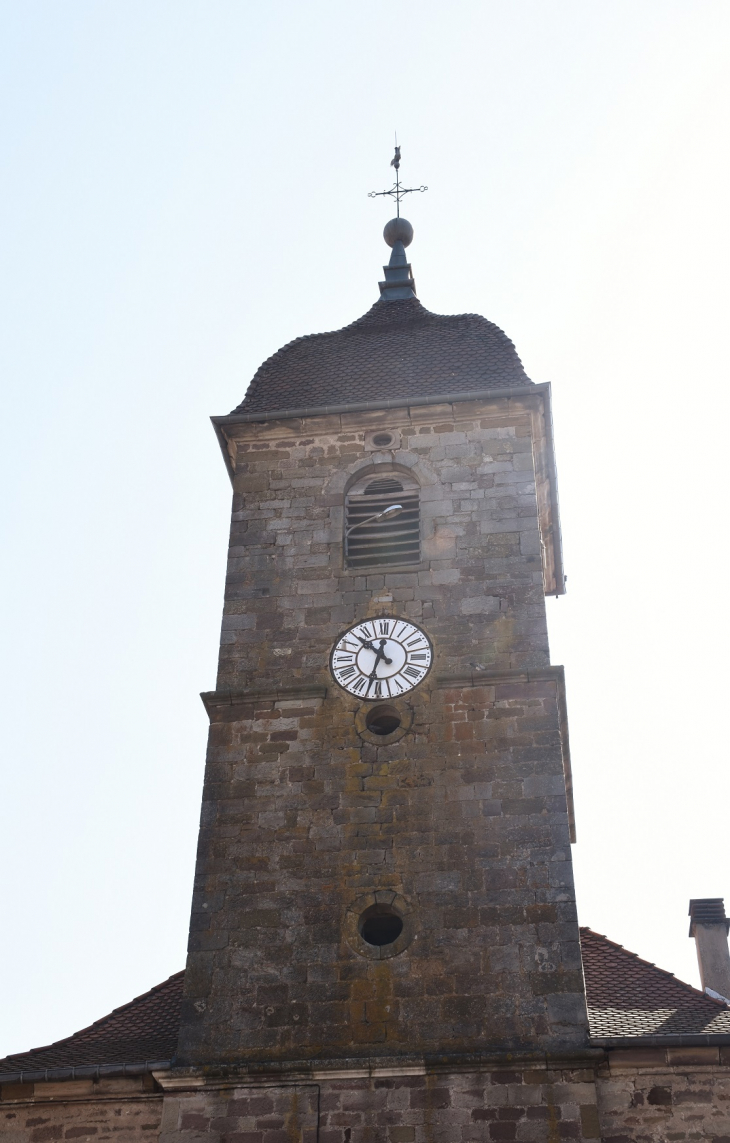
388, 540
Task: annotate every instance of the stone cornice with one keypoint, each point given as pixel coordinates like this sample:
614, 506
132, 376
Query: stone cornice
302, 1071
215, 701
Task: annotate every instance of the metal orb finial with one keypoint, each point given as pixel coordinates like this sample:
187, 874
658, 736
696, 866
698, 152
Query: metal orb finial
398, 230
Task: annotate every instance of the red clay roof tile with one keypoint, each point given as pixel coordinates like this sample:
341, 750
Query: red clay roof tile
628, 996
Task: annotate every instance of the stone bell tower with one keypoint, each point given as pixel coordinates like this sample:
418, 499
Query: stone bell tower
383, 906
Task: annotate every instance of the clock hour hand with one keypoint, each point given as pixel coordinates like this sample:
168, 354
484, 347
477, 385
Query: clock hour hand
381, 653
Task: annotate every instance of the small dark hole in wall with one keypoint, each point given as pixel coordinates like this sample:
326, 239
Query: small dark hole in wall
380, 925
382, 440
383, 720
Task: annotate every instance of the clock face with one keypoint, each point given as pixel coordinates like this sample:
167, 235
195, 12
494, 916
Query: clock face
381, 658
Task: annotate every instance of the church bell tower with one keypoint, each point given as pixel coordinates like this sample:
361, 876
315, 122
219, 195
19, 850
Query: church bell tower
384, 894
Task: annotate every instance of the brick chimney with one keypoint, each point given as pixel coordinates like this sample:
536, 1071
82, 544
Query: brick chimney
709, 927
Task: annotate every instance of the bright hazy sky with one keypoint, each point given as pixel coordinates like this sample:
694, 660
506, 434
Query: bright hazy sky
185, 190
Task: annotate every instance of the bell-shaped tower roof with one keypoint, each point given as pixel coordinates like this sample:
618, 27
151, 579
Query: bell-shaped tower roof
398, 349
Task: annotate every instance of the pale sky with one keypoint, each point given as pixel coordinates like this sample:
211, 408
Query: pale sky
185, 190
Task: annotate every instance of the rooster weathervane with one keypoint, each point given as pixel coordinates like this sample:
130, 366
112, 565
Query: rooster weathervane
396, 191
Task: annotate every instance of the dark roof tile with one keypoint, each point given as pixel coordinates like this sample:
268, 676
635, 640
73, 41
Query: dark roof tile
144, 1029
396, 349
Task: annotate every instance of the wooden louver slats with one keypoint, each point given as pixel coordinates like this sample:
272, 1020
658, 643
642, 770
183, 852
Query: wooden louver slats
383, 542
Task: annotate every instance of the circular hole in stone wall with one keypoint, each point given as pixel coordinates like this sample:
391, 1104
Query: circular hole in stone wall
380, 925
382, 720
382, 440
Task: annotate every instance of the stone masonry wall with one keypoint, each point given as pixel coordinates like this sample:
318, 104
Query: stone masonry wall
530, 1105
657, 1095
675, 1095
265, 1113
123, 1110
464, 819
461, 823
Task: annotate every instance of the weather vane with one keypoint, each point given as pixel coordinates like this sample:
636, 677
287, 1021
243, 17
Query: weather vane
396, 191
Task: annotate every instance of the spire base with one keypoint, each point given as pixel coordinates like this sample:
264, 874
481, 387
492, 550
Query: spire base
399, 282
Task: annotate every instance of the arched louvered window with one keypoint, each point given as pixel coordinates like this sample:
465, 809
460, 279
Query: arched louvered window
392, 539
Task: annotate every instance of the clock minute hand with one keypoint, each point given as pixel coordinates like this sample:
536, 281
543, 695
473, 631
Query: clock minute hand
379, 654
372, 677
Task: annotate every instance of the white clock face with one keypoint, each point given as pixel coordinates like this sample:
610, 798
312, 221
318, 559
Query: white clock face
381, 658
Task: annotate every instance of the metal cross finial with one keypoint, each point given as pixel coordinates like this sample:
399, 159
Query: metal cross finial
396, 191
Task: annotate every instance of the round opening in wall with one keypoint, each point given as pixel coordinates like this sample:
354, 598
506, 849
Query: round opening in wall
382, 440
382, 720
380, 925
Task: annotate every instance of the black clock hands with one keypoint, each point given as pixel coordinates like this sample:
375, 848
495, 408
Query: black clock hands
379, 654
